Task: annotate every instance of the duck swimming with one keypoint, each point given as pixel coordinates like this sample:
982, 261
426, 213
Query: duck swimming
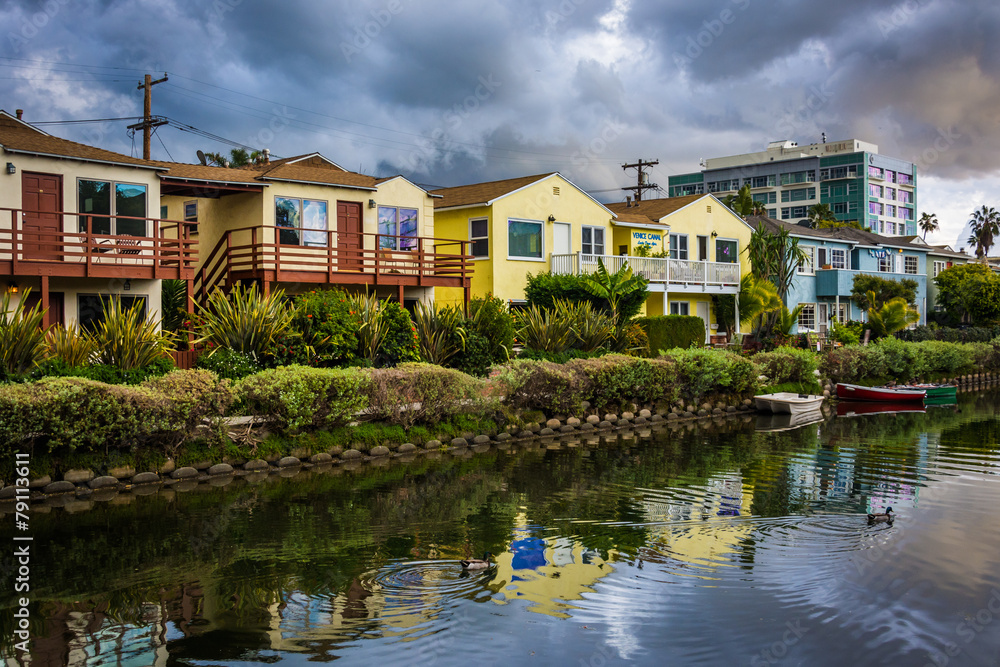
477, 563
883, 517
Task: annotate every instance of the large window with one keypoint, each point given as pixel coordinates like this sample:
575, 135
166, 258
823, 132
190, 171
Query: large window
910, 265
397, 222
885, 262
875, 207
524, 239
793, 177
301, 221
766, 197
938, 268
90, 307
479, 234
874, 172
726, 251
839, 208
874, 190
801, 194
791, 212
808, 266
103, 204
904, 196
593, 240
678, 246
680, 308
904, 179
807, 317
838, 259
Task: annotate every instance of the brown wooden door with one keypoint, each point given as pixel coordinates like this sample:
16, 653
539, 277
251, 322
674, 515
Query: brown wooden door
41, 199
349, 239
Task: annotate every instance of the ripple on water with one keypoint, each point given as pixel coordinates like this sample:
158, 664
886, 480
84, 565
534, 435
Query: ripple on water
424, 588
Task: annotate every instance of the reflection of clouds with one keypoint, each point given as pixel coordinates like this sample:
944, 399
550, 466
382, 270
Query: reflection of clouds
314, 217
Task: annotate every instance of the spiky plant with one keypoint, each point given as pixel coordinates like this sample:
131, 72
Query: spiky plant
244, 321
544, 330
592, 329
892, 316
22, 339
441, 332
372, 331
127, 339
786, 320
173, 294
71, 344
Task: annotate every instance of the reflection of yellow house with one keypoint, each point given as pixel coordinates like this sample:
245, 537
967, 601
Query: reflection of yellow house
301, 222
704, 243
519, 226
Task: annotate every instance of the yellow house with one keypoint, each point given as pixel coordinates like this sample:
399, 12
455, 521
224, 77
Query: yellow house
700, 243
520, 226
302, 222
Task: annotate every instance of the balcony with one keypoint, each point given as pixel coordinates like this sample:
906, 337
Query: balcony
664, 275
334, 258
71, 245
840, 282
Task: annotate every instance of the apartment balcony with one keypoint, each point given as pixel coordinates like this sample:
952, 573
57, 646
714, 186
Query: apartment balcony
333, 258
840, 282
664, 275
67, 244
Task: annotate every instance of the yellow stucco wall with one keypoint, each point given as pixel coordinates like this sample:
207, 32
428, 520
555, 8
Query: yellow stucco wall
632, 238
500, 274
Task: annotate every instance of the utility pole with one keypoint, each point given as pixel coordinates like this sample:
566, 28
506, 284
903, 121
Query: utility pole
642, 178
148, 123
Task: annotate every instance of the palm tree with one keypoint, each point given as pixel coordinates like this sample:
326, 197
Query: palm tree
892, 316
742, 203
928, 223
757, 298
820, 213
985, 224
787, 319
237, 159
613, 286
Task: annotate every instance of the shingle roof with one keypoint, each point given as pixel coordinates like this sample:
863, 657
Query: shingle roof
321, 175
942, 251
481, 193
654, 209
848, 234
201, 172
18, 136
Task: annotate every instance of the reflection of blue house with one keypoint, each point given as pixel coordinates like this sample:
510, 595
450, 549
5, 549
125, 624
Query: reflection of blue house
834, 257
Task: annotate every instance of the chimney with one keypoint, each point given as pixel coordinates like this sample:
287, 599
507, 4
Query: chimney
267, 156
19, 112
628, 201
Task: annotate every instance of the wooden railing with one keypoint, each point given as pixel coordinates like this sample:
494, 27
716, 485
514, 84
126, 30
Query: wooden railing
653, 269
66, 244
330, 257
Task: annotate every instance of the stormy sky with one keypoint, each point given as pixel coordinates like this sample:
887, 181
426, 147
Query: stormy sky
451, 92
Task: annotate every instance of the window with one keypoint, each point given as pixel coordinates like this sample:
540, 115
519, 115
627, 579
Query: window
904, 213
593, 241
90, 307
875, 208
904, 196
164, 212
853, 188
808, 266
840, 208
885, 262
802, 194
890, 193
874, 190
524, 239
938, 268
95, 205
301, 221
807, 317
692, 189
726, 251
874, 172
910, 265
904, 179
479, 234
678, 246
890, 176
772, 213
793, 177
766, 197
398, 227
838, 259
852, 207
841, 314
680, 308
764, 181
191, 211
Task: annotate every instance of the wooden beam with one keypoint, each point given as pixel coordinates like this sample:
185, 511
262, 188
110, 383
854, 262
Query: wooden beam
46, 317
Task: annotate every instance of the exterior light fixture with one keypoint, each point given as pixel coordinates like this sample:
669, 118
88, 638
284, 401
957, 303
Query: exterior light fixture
12, 287
371, 203
11, 169
127, 286
714, 234
552, 218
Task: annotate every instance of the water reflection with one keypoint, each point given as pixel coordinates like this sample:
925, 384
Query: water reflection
636, 549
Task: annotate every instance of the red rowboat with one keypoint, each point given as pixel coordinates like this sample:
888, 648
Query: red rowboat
854, 392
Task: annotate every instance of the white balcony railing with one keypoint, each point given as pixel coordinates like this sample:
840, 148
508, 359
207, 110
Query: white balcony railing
653, 269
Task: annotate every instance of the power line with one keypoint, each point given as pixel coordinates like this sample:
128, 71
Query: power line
84, 120
157, 135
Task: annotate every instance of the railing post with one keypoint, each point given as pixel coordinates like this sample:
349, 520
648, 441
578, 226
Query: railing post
422, 259
579, 262
253, 249
277, 256
13, 240
705, 273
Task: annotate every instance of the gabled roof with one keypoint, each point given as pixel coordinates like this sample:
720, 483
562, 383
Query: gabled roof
842, 234
17, 136
946, 251
652, 211
309, 160
294, 173
484, 194
386, 179
208, 174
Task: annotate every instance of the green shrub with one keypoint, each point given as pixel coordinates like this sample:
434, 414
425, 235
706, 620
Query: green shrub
787, 364
853, 363
848, 333
72, 345
55, 367
541, 385
947, 358
189, 399
949, 334
490, 317
701, 372
616, 380
298, 398
399, 338
559, 357
544, 289
416, 393
441, 332
903, 361
326, 322
666, 332
229, 364
475, 359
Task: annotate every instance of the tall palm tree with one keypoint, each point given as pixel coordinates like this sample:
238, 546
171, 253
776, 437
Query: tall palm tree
742, 203
820, 213
928, 223
985, 224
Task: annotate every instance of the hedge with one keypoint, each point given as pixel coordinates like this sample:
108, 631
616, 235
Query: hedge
890, 358
787, 364
299, 398
417, 393
666, 332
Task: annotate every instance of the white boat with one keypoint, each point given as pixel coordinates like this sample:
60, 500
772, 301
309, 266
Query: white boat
787, 402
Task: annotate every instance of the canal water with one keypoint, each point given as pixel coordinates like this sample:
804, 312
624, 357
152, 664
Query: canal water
722, 544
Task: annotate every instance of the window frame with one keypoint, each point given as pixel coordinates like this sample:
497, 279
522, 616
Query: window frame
907, 265
113, 214
671, 251
541, 235
473, 239
679, 306
810, 309
882, 260
938, 267
736, 255
301, 229
810, 263
396, 241
593, 229
831, 255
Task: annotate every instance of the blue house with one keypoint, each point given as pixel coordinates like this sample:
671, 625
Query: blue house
824, 282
